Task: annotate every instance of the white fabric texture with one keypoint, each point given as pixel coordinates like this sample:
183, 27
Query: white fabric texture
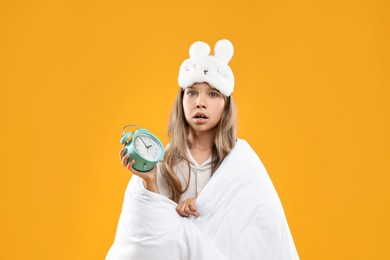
241, 217
213, 69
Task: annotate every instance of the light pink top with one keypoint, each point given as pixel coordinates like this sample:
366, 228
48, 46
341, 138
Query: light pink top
200, 175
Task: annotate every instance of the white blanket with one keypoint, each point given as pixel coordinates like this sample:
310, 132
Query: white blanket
240, 217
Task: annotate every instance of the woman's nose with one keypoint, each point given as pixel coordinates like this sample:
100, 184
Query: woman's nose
200, 102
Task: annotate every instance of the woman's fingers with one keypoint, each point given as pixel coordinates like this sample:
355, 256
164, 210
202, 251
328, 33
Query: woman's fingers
187, 208
183, 210
129, 166
180, 209
128, 163
192, 207
121, 152
125, 160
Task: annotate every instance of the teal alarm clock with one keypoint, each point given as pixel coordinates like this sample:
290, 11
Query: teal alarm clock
143, 146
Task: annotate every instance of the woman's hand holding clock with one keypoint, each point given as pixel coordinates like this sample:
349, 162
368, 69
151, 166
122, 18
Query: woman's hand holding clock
149, 178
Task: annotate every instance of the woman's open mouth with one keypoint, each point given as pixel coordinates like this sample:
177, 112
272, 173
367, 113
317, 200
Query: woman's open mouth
200, 117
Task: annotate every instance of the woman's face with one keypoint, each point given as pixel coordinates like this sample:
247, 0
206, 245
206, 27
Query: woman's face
203, 106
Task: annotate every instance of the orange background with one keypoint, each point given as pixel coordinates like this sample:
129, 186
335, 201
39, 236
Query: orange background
312, 89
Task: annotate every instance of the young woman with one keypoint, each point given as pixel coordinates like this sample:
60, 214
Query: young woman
211, 197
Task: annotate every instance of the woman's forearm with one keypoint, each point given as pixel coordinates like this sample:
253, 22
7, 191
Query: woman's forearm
151, 186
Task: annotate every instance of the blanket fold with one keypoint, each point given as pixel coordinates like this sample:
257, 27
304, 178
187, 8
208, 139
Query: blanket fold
240, 217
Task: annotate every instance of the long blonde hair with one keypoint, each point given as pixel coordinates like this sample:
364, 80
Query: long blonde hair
224, 141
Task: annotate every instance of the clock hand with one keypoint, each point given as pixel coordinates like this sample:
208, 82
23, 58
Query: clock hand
144, 143
148, 146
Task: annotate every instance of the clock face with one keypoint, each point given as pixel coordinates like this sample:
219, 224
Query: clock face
148, 147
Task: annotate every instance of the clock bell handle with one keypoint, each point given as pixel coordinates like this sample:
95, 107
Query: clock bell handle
123, 129
126, 136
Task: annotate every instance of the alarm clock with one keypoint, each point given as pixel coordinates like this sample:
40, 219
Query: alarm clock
143, 146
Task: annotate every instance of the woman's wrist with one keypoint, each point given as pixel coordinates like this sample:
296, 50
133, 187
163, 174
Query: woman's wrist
151, 185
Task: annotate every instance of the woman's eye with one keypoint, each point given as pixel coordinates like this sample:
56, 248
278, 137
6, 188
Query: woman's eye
213, 94
191, 93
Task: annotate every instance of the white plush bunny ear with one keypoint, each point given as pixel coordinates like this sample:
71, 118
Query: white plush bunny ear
224, 50
199, 49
